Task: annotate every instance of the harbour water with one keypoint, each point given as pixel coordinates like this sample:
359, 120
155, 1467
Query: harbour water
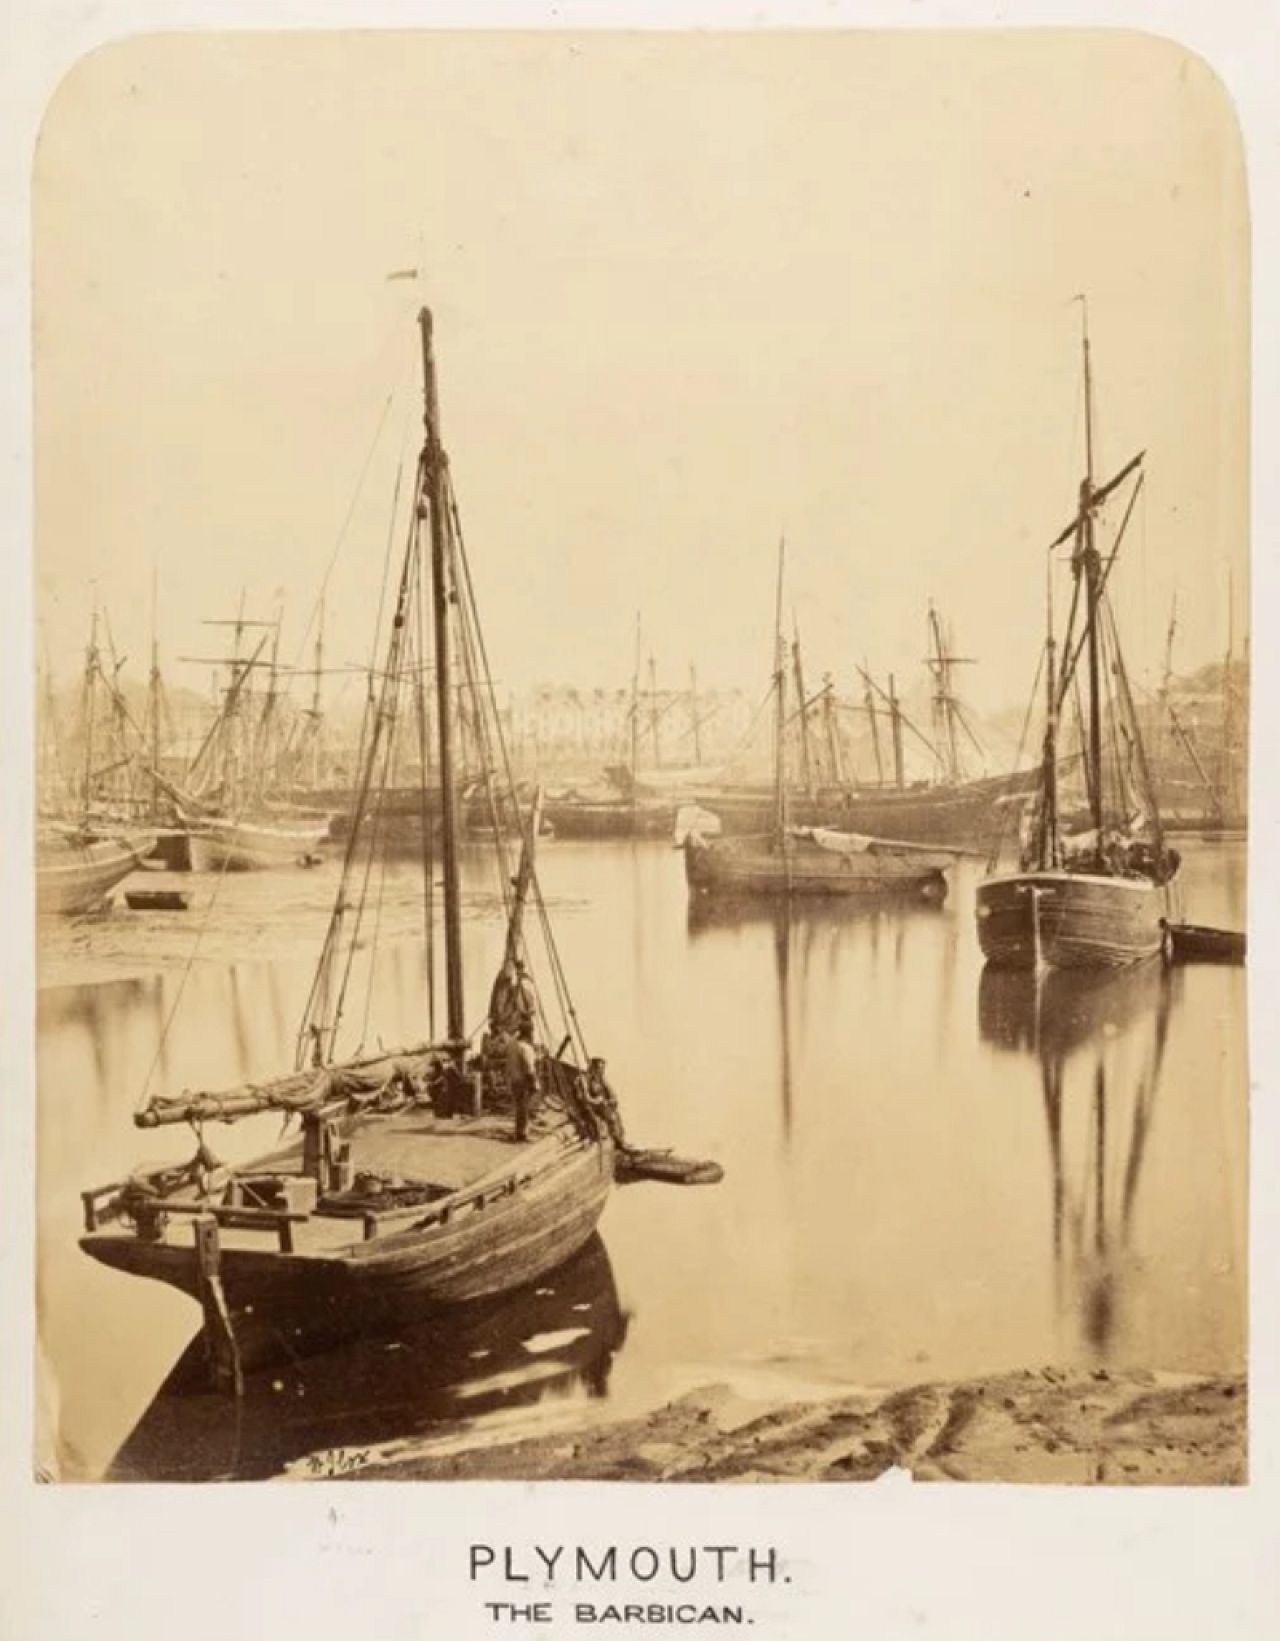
930, 1173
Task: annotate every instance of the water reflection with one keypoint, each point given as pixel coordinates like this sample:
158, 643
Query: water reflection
555, 1340
870, 918
1099, 1041
800, 931
892, 1175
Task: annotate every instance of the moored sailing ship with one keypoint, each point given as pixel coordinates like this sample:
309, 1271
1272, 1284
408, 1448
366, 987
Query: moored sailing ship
953, 806
1098, 897
791, 860
90, 832
76, 871
225, 798
405, 1188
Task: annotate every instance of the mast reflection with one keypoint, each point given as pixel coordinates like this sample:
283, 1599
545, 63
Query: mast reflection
547, 1341
101, 1012
796, 927
782, 967
1099, 1041
863, 919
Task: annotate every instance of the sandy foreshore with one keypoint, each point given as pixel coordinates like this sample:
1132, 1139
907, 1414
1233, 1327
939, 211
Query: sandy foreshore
1038, 1425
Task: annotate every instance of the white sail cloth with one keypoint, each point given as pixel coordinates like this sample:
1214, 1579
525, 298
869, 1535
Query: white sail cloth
839, 843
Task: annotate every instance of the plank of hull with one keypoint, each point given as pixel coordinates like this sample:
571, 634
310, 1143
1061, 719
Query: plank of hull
1085, 921
509, 1240
742, 866
242, 847
78, 878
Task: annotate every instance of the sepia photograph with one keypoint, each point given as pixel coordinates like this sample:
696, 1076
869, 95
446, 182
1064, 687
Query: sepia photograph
641, 767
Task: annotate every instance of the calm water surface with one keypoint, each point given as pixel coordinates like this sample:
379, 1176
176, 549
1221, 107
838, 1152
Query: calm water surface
929, 1172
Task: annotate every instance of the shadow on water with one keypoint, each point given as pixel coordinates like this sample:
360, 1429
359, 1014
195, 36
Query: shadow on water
553, 1340
1099, 1041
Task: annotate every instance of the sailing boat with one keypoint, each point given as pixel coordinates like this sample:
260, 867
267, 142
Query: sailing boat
1099, 897
404, 1189
806, 860
90, 843
1215, 803
225, 802
952, 809
622, 805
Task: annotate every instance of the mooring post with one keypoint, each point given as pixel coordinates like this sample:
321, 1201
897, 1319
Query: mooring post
219, 1335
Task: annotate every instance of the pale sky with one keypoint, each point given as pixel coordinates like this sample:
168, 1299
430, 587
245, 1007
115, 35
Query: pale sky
691, 293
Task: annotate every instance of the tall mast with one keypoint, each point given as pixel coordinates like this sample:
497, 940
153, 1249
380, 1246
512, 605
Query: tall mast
90, 694
945, 712
895, 726
435, 494
806, 760
1048, 850
154, 703
635, 716
694, 719
315, 699
780, 711
1165, 699
1166, 683
1088, 556
1227, 782
832, 730
870, 700
655, 716
259, 772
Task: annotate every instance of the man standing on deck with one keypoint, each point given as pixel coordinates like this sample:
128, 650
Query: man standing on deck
522, 1077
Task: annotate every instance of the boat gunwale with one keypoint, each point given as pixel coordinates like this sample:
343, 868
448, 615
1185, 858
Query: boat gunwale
504, 1186
1140, 885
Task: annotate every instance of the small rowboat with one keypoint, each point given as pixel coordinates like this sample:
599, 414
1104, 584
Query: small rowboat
157, 900
633, 1164
1195, 943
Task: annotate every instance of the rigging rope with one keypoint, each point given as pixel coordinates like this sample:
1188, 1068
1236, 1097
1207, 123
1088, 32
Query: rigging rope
559, 981
997, 848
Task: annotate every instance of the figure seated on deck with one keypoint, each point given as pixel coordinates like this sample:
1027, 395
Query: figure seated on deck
603, 1101
1117, 854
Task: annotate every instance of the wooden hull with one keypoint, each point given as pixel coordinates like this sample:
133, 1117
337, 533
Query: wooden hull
1194, 943
157, 900
961, 815
754, 866
172, 851
277, 1298
243, 846
1069, 920
73, 878
604, 819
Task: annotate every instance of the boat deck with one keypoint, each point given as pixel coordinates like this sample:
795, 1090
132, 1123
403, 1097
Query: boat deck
458, 1158
450, 1152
